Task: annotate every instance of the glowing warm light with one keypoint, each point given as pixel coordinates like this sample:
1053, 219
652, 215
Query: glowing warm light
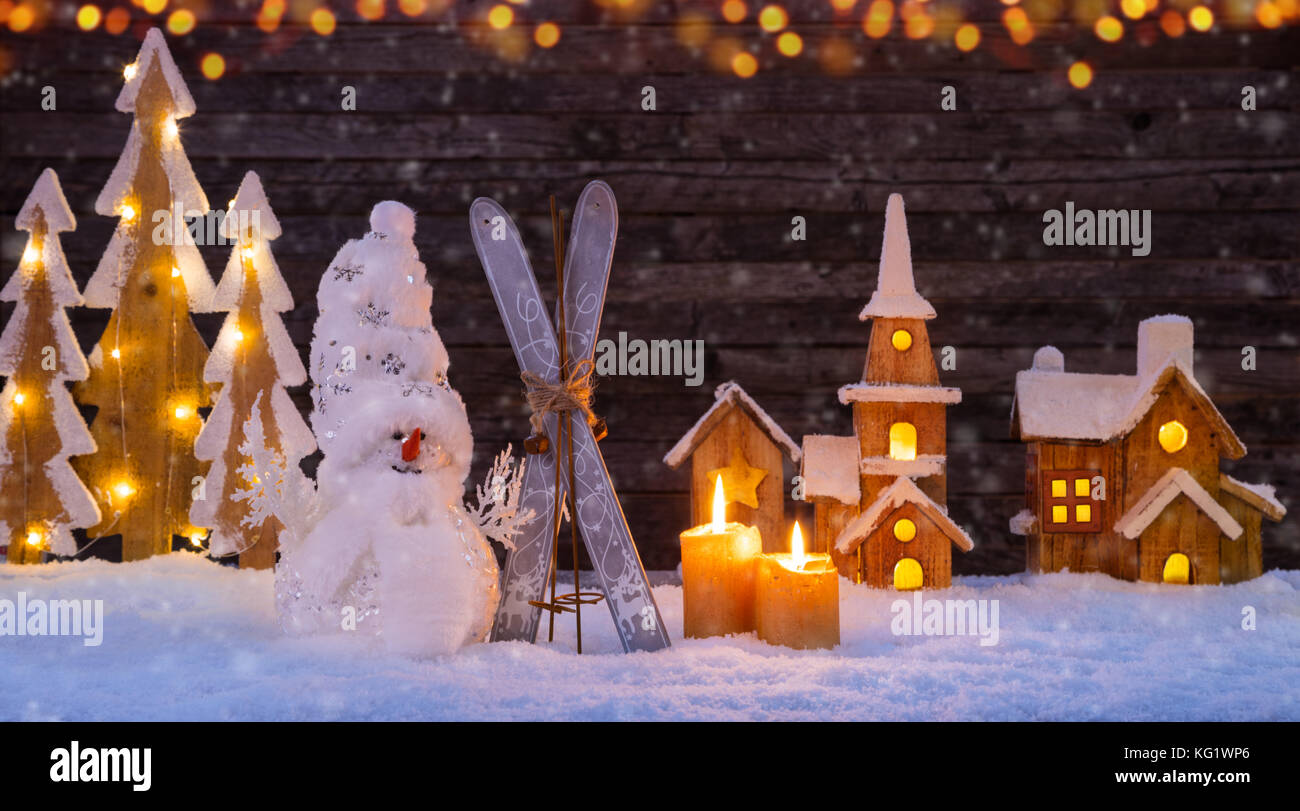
546, 35
692, 29
1201, 18
744, 64
19, 398
128, 213
907, 575
797, 556
901, 340
370, 9
500, 17
789, 44
237, 334
919, 26
181, 21
966, 38
247, 253
733, 11
154, 6
88, 17
719, 508
1082, 513
30, 255
33, 537
116, 354
1080, 74
772, 19
902, 441
322, 21
880, 16
1173, 436
213, 66
1178, 569
21, 18
1017, 23
268, 17
176, 272
181, 412
170, 129
1171, 22
128, 72
1133, 9
117, 20
1108, 29
124, 489
843, 5
904, 530
413, 8
1268, 15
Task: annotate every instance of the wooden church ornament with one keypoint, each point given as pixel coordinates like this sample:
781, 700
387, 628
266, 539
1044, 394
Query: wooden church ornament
41, 497
737, 440
879, 497
1155, 441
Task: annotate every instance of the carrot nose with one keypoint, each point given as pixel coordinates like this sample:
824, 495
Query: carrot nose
411, 446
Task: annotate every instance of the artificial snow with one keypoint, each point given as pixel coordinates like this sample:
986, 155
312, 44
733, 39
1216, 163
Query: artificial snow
730, 394
1071, 647
897, 393
829, 468
895, 295
1175, 481
902, 491
1261, 496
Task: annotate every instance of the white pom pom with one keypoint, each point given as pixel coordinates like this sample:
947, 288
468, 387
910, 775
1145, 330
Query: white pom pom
393, 218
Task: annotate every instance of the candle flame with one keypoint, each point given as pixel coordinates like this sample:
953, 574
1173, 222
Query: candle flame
719, 507
797, 556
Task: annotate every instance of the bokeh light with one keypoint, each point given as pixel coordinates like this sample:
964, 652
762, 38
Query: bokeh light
789, 44
213, 66
1171, 22
1269, 15
733, 11
154, 6
546, 35
1080, 74
772, 19
500, 17
370, 9
413, 8
88, 17
967, 37
322, 21
1109, 29
181, 21
744, 64
693, 30
1133, 9
116, 21
1201, 18
21, 18
879, 18
1017, 23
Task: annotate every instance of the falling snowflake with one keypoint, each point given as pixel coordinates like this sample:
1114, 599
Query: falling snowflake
348, 272
372, 315
392, 364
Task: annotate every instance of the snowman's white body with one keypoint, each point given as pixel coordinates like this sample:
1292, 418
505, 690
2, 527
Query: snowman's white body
394, 553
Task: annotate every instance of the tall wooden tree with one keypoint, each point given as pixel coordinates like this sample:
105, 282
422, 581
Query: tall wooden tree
146, 373
41, 498
253, 357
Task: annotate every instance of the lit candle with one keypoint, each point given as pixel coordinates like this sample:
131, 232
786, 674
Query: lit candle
718, 574
797, 598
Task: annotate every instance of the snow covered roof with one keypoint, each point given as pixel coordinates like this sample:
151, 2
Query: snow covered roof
46, 196
155, 48
729, 395
1262, 497
1051, 403
1166, 489
897, 393
895, 295
902, 491
830, 468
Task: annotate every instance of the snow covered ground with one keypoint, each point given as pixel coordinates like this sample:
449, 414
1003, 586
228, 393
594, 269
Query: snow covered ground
185, 639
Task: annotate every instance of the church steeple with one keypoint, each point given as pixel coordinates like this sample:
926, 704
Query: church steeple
899, 351
895, 295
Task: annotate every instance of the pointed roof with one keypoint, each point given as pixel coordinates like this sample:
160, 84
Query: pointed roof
47, 197
895, 295
1175, 481
727, 396
902, 491
252, 199
154, 48
1262, 497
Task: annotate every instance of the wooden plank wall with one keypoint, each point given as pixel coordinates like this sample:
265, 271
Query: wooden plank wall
707, 186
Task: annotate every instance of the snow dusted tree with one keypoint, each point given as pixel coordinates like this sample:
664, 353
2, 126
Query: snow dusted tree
253, 358
41, 497
146, 373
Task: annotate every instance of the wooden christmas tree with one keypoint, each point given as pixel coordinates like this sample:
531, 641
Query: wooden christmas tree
146, 372
41, 498
253, 357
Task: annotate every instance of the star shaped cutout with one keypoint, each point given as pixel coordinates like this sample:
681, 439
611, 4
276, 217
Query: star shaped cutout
739, 479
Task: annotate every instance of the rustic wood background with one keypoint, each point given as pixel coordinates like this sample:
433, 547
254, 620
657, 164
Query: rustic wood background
707, 186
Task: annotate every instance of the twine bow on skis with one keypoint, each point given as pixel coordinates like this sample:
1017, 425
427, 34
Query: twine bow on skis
573, 394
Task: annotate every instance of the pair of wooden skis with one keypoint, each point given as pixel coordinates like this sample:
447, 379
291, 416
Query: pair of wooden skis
532, 333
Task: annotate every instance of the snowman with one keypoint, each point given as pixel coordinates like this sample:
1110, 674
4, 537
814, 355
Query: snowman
391, 551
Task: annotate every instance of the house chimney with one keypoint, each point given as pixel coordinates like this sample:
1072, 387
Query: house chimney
1049, 359
1161, 339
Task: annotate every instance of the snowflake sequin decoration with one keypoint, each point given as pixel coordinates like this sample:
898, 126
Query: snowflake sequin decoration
373, 315
348, 272
392, 364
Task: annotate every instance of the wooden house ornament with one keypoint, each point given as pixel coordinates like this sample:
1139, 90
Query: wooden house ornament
1122, 472
737, 440
880, 495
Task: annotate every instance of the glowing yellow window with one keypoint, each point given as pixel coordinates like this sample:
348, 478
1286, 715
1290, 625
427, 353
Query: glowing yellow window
902, 441
1083, 513
1173, 436
1060, 514
901, 339
907, 575
1082, 488
1178, 569
904, 530
1058, 488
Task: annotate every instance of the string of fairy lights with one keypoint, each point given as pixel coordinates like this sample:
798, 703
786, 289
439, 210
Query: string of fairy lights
722, 29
